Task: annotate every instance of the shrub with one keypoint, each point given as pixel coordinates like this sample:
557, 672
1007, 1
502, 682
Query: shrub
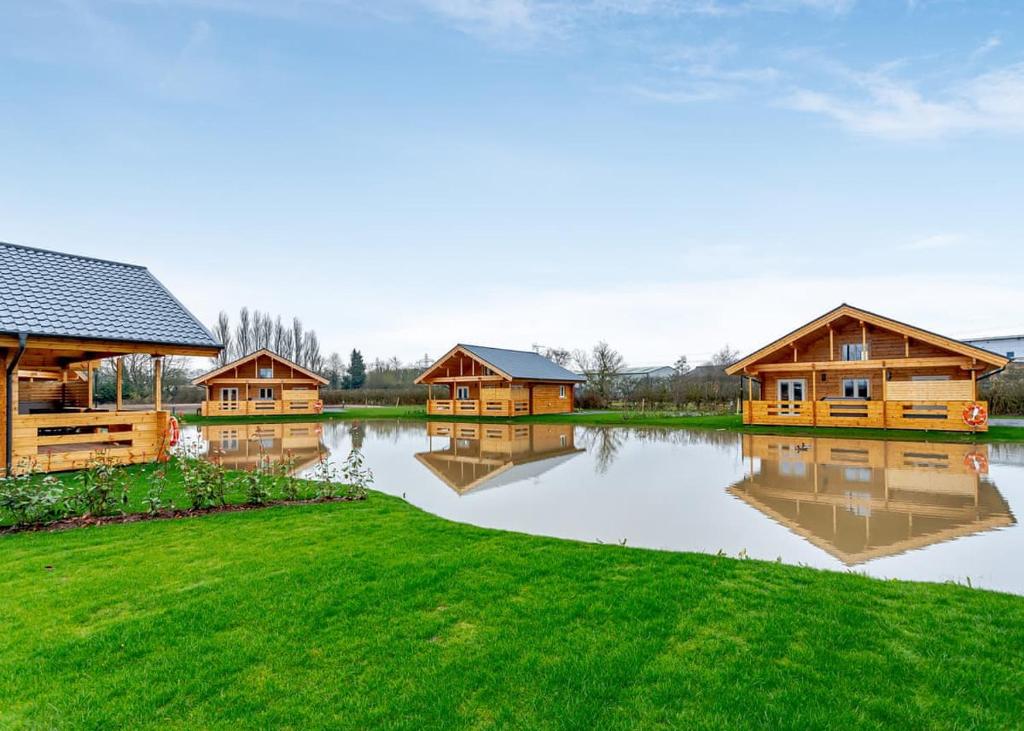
27, 499
102, 486
205, 483
358, 477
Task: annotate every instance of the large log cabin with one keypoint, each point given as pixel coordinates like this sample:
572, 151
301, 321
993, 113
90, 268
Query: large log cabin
260, 384
60, 315
853, 368
484, 381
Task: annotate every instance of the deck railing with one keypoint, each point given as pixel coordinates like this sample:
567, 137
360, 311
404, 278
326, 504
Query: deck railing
462, 407
924, 415
55, 442
260, 407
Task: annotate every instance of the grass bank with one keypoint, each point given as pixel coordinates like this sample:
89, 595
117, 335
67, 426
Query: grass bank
375, 614
730, 422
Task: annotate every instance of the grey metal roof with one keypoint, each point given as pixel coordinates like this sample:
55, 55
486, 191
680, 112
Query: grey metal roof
642, 370
63, 295
523, 364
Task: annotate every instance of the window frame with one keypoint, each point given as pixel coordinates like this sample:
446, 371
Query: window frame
269, 390
460, 390
855, 381
260, 371
846, 348
561, 392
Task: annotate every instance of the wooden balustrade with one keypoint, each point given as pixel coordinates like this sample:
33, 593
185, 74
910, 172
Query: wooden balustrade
892, 414
55, 442
262, 407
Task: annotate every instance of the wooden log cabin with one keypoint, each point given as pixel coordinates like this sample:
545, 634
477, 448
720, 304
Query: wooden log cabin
484, 381
60, 315
261, 384
853, 368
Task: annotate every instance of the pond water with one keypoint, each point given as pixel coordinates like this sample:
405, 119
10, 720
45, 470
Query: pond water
934, 512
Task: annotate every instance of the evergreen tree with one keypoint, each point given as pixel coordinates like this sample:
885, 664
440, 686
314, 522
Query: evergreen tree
356, 376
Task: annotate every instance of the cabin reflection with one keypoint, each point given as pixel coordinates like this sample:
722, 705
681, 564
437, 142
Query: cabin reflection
243, 446
860, 500
471, 457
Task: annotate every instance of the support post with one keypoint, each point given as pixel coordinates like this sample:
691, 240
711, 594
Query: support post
863, 341
158, 383
831, 343
119, 381
90, 395
814, 396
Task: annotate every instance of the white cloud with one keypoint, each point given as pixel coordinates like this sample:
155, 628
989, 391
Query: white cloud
881, 106
934, 242
991, 43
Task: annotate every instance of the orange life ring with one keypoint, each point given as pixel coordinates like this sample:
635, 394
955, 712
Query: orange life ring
977, 462
318, 406
975, 414
173, 431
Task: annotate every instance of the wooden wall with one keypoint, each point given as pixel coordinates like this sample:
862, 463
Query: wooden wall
3, 412
832, 386
545, 400
881, 344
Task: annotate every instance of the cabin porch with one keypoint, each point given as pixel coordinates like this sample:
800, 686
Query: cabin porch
852, 395
56, 426
291, 401
480, 399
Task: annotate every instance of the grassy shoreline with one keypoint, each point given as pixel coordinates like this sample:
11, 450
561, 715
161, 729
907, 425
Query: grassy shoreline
728, 422
372, 614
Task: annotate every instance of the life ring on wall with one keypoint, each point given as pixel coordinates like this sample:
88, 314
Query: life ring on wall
318, 406
975, 414
976, 462
173, 431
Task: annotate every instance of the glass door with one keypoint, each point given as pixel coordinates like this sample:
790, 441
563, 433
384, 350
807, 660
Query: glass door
790, 390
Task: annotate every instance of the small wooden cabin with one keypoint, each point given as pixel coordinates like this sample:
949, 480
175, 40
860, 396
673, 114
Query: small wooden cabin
260, 384
60, 315
853, 368
486, 381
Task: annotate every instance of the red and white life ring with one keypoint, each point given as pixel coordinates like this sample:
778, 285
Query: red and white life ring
976, 462
173, 431
318, 406
975, 415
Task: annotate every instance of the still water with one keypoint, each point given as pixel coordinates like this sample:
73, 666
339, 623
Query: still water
933, 512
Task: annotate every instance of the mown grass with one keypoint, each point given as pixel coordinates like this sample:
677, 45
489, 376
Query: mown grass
730, 422
375, 614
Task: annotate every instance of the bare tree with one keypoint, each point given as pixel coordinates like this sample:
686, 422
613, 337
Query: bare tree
281, 344
581, 359
681, 366
243, 333
606, 364
561, 356
298, 340
263, 330
222, 331
725, 356
311, 357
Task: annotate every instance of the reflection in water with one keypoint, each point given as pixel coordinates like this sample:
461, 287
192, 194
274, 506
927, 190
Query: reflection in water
243, 446
896, 510
469, 457
860, 500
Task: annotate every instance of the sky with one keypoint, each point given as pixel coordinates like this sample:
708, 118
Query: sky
667, 175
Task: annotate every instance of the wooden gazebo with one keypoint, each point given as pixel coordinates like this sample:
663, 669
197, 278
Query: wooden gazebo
60, 315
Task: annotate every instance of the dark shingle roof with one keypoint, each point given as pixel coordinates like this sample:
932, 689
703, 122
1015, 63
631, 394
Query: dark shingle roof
62, 295
523, 364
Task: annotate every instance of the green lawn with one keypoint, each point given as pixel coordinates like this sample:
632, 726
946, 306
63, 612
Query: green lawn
730, 422
375, 614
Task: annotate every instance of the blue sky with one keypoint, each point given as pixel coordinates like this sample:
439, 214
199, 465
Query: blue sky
667, 175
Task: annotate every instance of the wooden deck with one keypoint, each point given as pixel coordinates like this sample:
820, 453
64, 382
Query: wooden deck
294, 402
57, 442
475, 407
921, 415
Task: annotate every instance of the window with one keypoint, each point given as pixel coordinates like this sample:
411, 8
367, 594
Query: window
462, 393
854, 351
265, 372
229, 394
561, 392
856, 388
266, 393
1010, 354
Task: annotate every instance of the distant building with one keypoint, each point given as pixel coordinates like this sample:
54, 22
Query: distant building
1012, 346
646, 373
